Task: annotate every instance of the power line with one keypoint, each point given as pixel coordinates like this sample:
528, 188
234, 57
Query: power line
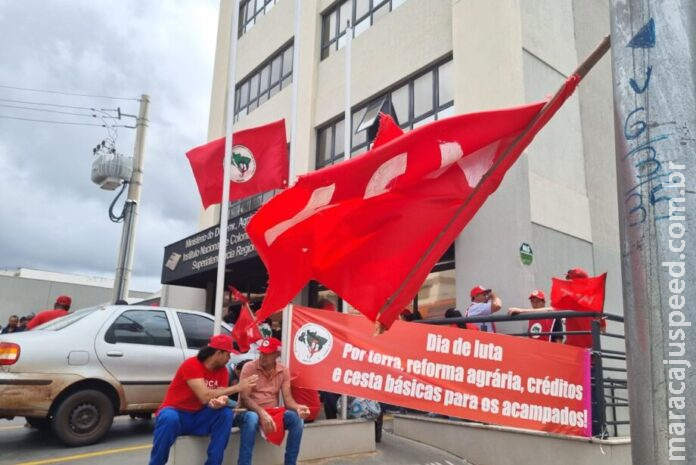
55, 105
64, 122
91, 115
67, 93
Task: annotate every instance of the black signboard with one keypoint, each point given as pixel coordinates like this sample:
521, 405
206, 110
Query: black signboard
198, 253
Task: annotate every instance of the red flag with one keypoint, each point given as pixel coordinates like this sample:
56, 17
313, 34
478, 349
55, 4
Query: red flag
371, 228
238, 296
259, 163
245, 332
582, 294
275, 437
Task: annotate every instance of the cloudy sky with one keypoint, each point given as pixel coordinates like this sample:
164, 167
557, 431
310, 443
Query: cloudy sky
52, 217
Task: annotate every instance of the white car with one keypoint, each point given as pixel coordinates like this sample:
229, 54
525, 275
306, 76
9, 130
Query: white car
73, 374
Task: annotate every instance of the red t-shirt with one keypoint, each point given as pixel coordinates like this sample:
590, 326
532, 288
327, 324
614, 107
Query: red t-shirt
180, 396
45, 317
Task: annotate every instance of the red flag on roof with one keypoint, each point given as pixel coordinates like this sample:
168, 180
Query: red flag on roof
245, 332
583, 295
259, 163
371, 228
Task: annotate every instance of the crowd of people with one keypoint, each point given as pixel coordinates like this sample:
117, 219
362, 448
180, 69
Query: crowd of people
16, 324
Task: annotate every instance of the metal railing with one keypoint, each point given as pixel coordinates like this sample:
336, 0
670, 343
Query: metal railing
608, 363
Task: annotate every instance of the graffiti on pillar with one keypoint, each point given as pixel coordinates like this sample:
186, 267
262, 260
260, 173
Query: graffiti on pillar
644, 156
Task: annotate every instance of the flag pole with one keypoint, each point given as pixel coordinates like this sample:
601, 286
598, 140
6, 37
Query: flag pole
347, 147
225, 204
581, 71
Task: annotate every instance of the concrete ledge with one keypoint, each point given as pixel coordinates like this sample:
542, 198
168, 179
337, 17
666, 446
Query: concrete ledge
321, 439
498, 445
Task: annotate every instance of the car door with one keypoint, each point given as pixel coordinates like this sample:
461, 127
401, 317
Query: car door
142, 352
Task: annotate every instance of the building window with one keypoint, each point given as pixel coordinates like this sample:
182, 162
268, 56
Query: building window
361, 13
264, 82
425, 97
250, 11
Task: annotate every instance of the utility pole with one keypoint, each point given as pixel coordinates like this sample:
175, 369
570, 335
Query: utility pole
124, 265
655, 116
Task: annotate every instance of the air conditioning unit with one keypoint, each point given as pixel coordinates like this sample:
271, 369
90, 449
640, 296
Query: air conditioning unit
110, 169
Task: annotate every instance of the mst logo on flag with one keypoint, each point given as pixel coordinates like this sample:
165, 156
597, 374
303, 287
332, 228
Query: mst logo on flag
243, 164
312, 344
259, 163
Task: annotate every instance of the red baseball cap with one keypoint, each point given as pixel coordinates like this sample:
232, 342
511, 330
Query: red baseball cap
478, 290
577, 273
64, 300
221, 342
537, 294
269, 345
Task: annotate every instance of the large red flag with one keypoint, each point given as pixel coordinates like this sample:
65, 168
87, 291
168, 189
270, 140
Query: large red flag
371, 228
581, 294
259, 163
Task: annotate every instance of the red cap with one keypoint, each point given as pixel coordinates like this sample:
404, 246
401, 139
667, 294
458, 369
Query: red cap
537, 294
577, 273
64, 300
221, 342
478, 290
269, 345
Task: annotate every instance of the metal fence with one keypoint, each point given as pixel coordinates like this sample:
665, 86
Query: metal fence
608, 369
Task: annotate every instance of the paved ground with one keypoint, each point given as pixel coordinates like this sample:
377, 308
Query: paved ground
129, 442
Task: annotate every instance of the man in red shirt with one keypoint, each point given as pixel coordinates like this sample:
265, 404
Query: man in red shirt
60, 308
196, 402
262, 403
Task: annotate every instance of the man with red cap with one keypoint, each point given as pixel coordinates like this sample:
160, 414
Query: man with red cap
537, 299
262, 404
483, 302
60, 308
196, 402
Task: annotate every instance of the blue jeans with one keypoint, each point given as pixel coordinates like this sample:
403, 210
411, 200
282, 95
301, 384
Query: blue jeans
172, 423
248, 423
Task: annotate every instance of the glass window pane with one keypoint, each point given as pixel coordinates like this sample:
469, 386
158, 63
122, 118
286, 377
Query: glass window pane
332, 24
197, 329
380, 12
360, 137
263, 97
397, 3
449, 111
244, 95
361, 8
325, 31
362, 26
344, 16
423, 95
286, 82
342, 41
275, 70
274, 90
287, 61
254, 87
141, 327
424, 121
445, 84
324, 146
265, 73
269, 6
400, 99
259, 5
339, 137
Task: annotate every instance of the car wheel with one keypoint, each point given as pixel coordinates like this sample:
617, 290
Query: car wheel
42, 424
83, 418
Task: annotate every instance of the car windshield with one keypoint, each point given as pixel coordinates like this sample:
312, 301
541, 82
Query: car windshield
67, 320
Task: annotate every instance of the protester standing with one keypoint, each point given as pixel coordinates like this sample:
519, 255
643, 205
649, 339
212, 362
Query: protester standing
60, 309
484, 302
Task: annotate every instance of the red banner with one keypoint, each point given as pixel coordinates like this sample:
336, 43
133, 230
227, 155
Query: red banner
491, 378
